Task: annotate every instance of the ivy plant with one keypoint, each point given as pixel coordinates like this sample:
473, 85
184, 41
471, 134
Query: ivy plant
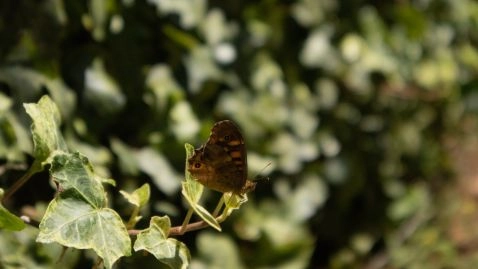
79, 216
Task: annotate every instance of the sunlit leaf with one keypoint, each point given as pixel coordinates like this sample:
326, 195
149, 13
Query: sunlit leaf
73, 171
63, 96
45, 128
167, 250
19, 250
102, 90
14, 137
223, 253
190, 12
215, 27
26, 82
77, 217
8, 221
232, 202
138, 197
184, 123
201, 68
307, 197
159, 169
163, 87
128, 163
73, 223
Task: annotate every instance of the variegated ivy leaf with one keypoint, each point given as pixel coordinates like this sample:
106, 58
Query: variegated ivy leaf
167, 250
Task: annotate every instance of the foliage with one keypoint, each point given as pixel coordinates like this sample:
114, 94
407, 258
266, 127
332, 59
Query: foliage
354, 104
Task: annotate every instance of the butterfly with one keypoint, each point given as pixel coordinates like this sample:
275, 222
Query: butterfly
221, 163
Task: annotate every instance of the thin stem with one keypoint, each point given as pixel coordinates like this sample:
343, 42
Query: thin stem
180, 230
183, 228
132, 219
218, 207
36, 167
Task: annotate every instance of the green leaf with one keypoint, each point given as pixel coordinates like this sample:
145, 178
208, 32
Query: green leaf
74, 171
73, 223
19, 250
47, 137
128, 163
8, 221
223, 253
192, 191
14, 137
77, 216
233, 202
167, 250
159, 169
138, 197
102, 90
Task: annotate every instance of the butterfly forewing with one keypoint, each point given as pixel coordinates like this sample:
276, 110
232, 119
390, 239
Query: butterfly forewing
230, 138
221, 163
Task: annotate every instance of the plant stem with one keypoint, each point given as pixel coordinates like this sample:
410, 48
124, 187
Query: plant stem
36, 167
218, 207
183, 228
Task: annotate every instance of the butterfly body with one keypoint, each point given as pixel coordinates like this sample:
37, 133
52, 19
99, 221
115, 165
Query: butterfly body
221, 163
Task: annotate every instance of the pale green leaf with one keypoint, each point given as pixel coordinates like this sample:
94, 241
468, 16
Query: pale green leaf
77, 216
19, 250
201, 68
102, 90
25, 83
73, 171
159, 169
138, 197
63, 96
8, 221
126, 158
45, 128
167, 250
233, 202
73, 223
14, 137
190, 13
184, 123
99, 155
163, 88
303, 201
222, 253
190, 192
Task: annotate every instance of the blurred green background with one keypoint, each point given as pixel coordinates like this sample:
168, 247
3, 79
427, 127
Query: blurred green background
367, 111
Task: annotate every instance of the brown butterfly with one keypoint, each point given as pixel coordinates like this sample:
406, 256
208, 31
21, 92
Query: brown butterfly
221, 163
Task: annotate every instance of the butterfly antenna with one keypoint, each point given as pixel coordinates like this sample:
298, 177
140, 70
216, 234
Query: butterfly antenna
258, 176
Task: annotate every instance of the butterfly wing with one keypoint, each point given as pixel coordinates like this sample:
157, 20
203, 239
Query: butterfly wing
221, 164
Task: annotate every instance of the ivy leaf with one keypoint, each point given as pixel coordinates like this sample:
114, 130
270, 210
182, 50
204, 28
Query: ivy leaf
192, 191
47, 137
74, 171
233, 202
128, 163
71, 222
159, 169
9, 221
167, 250
77, 216
138, 197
